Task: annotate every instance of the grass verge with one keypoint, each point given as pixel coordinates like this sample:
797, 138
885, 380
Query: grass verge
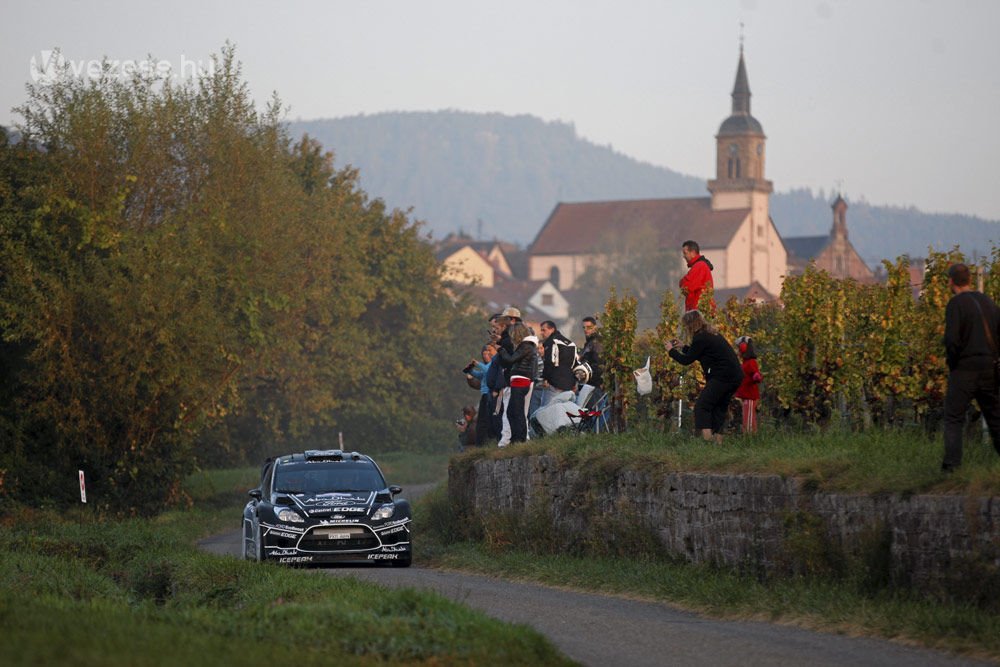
877, 461
78, 589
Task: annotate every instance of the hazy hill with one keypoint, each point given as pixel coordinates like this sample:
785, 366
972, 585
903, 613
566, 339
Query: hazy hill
460, 170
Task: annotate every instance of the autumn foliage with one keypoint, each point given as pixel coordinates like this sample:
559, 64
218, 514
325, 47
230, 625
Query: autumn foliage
832, 350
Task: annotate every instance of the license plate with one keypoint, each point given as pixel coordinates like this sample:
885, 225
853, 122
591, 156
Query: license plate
338, 536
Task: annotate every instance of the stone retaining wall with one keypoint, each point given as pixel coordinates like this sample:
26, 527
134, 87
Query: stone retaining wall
764, 522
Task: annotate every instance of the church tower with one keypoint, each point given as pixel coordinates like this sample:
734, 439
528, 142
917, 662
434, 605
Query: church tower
757, 255
739, 149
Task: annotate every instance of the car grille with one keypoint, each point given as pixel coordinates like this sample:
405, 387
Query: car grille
338, 538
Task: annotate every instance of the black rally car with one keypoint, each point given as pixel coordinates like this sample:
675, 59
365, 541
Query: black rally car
324, 507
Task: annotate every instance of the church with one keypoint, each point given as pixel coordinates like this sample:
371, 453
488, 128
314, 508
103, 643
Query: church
733, 225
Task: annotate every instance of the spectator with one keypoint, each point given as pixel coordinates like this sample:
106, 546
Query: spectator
749, 391
558, 359
484, 420
520, 368
510, 317
971, 329
538, 388
593, 350
466, 427
698, 277
723, 374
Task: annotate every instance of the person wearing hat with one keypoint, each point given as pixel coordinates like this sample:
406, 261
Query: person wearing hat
510, 317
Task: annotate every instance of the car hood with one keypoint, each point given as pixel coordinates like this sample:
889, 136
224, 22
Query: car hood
347, 503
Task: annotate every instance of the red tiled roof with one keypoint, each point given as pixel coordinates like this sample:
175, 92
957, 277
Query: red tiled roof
581, 228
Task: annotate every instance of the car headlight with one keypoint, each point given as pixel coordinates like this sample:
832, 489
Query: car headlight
384, 512
290, 516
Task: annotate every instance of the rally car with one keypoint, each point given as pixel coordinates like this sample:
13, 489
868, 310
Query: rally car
326, 506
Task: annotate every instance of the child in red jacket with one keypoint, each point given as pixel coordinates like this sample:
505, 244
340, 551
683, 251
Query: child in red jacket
749, 392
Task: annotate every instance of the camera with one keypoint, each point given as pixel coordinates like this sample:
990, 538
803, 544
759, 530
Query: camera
469, 368
459, 422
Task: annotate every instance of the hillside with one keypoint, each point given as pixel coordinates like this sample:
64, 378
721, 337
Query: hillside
498, 176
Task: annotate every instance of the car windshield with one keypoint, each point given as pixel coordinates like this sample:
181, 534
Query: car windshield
327, 477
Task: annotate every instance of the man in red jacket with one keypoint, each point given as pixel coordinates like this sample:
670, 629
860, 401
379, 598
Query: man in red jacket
698, 277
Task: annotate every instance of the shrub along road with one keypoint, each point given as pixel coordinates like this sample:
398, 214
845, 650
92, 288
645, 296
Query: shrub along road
608, 630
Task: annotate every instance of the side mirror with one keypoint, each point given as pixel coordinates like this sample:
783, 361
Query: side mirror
255, 494
395, 489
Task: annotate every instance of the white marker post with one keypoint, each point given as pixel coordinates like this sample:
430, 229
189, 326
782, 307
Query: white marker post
83, 489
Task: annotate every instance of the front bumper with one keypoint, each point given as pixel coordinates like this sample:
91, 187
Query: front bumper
337, 543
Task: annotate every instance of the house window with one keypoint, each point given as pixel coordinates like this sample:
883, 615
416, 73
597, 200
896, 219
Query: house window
760, 230
730, 172
547, 300
737, 167
554, 276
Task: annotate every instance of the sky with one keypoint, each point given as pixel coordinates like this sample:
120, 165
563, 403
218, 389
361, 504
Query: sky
890, 101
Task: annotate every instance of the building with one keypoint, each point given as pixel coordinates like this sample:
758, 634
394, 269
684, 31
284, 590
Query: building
733, 226
485, 268
833, 253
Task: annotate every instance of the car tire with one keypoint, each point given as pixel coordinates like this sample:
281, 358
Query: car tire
259, 547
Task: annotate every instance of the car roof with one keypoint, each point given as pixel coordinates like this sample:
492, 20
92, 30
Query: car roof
312, 455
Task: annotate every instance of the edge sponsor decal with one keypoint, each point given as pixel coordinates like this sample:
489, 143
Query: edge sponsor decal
390, 531
281, 533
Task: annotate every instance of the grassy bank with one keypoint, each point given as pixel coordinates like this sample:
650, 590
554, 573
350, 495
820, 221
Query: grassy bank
81, 590
878, 461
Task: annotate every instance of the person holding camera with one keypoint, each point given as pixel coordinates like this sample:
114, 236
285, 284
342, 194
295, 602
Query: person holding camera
723, 373
477, 370
466, 428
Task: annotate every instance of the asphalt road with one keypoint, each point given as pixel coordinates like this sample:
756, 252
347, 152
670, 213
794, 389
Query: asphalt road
606, 631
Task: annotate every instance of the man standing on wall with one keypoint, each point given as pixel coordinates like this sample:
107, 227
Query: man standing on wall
592, 351
971, 328
698, 277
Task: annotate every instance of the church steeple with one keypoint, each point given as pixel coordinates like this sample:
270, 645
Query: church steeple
739, 150
741, 89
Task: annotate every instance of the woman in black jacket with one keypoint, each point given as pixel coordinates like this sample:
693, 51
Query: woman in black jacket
721, 366
519, 367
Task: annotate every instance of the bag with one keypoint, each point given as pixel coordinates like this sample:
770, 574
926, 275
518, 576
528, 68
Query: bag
643, 379
494, 376
473, 381
993, 345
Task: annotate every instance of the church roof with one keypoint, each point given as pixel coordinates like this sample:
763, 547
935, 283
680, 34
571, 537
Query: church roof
581, 228
805, 247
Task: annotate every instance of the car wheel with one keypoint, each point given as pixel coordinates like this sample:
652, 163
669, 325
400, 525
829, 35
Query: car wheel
259, 547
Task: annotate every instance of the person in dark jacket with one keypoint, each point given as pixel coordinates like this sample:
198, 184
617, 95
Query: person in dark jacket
558, 360
509, 318
520, 370
723, 373
971, 331
592, 351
